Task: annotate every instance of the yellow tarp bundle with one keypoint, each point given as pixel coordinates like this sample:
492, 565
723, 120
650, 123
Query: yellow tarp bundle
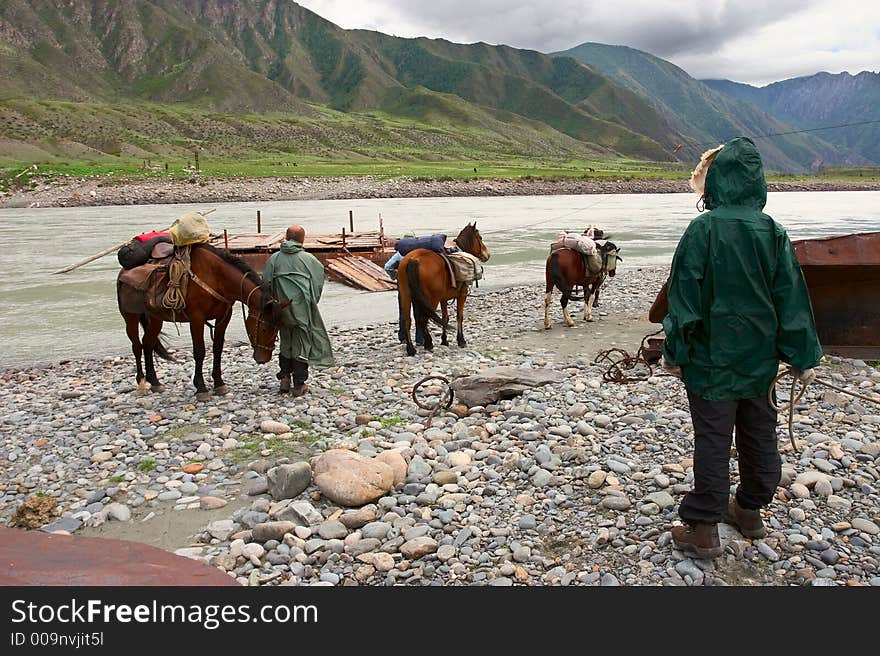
190, 228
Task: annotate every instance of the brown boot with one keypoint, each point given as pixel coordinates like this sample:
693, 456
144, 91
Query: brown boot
748, 522
699, 539
284, 387
299, 390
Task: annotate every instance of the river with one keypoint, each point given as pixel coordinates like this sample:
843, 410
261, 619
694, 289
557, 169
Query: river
47, 318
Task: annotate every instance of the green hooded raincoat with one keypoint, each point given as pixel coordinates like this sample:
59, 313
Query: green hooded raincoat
738, 302
297, 276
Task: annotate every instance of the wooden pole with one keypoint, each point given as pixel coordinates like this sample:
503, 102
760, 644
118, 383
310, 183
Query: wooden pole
351, 221
197, 159
225, 239
343, 236
259, 223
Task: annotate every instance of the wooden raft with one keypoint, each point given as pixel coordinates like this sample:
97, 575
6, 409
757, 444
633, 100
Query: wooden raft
359, 272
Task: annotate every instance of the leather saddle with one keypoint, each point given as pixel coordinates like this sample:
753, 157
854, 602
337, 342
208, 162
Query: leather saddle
143, 288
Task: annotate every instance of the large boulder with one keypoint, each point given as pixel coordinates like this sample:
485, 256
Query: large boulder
350, 479
289, 481
498, 383
397, 463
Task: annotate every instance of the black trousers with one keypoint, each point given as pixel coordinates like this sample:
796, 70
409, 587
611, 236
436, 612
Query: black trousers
760, 467
298, 368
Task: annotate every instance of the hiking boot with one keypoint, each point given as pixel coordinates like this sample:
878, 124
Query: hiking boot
699, 539
299, 390
748, 522
284, 387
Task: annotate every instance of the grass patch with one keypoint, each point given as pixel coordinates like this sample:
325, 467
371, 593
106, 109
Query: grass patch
388, 422
147, 465
252, 449
180, 432
873, 363
117, 478
302, 425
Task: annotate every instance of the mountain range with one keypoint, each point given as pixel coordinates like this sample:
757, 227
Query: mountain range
141, 77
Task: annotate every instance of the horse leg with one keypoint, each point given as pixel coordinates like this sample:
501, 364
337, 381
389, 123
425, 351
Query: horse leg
220, 387
443, 340
547, 297
151, 338
459, 318
133, 330
588, 302
422, 322
565, 316
403, 298
197, 331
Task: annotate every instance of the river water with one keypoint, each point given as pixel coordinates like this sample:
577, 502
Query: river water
46, 318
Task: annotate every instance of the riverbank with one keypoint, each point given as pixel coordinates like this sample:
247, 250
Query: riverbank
573, 483
82, 192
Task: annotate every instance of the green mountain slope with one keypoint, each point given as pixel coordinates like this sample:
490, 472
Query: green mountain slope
276, 56
709, 116
821, 100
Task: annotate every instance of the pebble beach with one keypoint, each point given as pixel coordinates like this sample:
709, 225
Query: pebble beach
572, 483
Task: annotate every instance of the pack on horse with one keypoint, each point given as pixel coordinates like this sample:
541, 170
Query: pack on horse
217, 280
424, 281
567, 268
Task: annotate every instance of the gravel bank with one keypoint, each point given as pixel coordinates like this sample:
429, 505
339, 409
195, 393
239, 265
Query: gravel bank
576, 483
94, 191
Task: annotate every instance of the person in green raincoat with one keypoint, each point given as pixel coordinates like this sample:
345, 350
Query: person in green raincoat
296, 277
738, 304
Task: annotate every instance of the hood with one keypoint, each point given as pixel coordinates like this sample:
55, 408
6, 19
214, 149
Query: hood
291, 246
736, 177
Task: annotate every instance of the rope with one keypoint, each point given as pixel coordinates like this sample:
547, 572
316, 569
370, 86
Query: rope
621, 362
795, 396
178, 268
444, 402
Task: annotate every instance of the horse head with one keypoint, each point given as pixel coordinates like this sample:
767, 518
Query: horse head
469, 240
262, 324
610, 256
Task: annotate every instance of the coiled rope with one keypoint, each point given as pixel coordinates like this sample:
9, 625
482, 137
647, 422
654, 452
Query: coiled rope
795, 396
178, 268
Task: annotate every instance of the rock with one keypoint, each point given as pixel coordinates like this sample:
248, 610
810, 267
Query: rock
118, 511
221, 529
616, 503
418, 468
272, 530
376, 530
602, 421
354, 519
865, 526
288, 481
397, 463
361, 420
810, 478
350, 479
823, 488
418, 547
35, 512
332, 530
496, 383
662, 499
211, 503
300, 512
597, 479
528, 523
542, 478
458, 459
193, 467
275, 427
256, 487
839, 503
445, 552
445, 477
800, 491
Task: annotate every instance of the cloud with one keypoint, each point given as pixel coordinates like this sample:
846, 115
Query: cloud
754, 41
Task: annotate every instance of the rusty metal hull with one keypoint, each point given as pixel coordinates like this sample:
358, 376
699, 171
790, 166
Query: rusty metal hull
843, 278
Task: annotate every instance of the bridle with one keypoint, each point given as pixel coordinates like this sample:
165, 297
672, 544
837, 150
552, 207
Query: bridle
261, 322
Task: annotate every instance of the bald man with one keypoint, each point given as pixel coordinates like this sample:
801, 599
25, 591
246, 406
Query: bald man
297, 276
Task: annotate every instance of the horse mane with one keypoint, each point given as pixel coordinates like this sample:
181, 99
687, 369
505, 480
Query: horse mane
232, 260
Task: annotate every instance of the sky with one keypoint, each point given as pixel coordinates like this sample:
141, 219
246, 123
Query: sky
752, 41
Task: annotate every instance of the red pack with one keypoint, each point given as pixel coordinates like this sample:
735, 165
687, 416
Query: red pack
147, 236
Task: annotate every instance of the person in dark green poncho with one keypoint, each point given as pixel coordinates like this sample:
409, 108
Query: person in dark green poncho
738, 304
297, 277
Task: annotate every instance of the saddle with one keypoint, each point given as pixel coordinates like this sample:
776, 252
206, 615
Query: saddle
592, 261
463, 268
145, 288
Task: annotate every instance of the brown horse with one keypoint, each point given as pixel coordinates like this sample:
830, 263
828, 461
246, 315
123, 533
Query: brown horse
423, 282
566, 269
220, 280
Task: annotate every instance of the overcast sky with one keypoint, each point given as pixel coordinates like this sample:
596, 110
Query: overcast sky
754, 41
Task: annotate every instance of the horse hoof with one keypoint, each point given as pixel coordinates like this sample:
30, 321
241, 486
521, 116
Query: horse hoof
547, 326
462, 344
569, 324
221, 391
203, 396
157, 388
410, 350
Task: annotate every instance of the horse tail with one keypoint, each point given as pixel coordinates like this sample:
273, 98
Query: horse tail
559, 279
160, 349
418, 295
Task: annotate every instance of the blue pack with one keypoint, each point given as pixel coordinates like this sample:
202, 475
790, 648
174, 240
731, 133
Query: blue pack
431, 242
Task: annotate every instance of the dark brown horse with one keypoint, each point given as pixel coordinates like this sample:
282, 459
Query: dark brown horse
423, 282
220, 281
566, 269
